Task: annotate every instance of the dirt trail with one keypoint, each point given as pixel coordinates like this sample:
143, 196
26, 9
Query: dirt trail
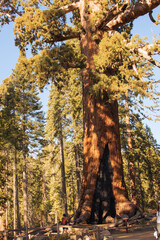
140, 235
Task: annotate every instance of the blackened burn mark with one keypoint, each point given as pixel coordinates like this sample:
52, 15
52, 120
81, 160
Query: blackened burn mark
103, 201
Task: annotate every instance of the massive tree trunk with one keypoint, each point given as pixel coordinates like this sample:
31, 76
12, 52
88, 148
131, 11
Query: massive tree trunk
101, 143
102, 146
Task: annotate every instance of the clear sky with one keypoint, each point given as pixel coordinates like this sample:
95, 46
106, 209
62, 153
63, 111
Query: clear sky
9, 55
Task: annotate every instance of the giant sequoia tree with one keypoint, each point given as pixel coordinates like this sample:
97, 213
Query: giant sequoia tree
112, 65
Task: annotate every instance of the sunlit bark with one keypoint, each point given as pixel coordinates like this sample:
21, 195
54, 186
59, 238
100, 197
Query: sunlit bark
101, 128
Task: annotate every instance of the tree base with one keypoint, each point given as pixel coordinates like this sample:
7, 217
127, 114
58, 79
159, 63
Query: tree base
126, 208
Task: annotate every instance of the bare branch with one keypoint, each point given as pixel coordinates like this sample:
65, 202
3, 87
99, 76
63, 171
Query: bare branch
151, 17
136, 71
147, 56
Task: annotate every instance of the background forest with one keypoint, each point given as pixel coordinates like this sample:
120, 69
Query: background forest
41, 156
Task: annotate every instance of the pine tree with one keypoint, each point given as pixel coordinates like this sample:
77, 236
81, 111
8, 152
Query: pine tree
144, 156
55, 125
11, 134
25, 125
31, 123
74, 108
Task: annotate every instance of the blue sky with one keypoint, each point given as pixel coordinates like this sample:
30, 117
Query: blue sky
9, 55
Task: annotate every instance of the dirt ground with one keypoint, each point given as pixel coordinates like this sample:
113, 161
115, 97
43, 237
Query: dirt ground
140, 235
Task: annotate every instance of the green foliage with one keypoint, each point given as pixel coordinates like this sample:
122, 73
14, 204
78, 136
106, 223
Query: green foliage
50, 64
3, 174
145, 156
23, 129
115, 67
65, 118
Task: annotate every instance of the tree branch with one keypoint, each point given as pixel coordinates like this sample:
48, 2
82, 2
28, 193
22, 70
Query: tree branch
116, 10
63, 37
70, 7
145, 51
8, 11
3, 13
151, 17
142, 52
131, 13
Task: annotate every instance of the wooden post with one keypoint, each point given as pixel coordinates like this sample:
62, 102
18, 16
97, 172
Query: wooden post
97, 234
125, 222
57, 228
26, 232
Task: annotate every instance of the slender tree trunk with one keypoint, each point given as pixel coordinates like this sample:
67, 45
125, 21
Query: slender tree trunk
77, 159
25, 180
150, 173
6, 191
101, 130
44, 196
14, 194
17, 223
64, 194
7, 206
2, 226
131, 167
25, 190
150, 178
140, 188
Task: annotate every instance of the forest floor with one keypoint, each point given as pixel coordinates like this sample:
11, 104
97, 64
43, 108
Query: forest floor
136, 232
141, 235
139, 232
139, 228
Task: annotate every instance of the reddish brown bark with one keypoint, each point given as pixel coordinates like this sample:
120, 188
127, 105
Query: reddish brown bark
140, 8
101, 127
